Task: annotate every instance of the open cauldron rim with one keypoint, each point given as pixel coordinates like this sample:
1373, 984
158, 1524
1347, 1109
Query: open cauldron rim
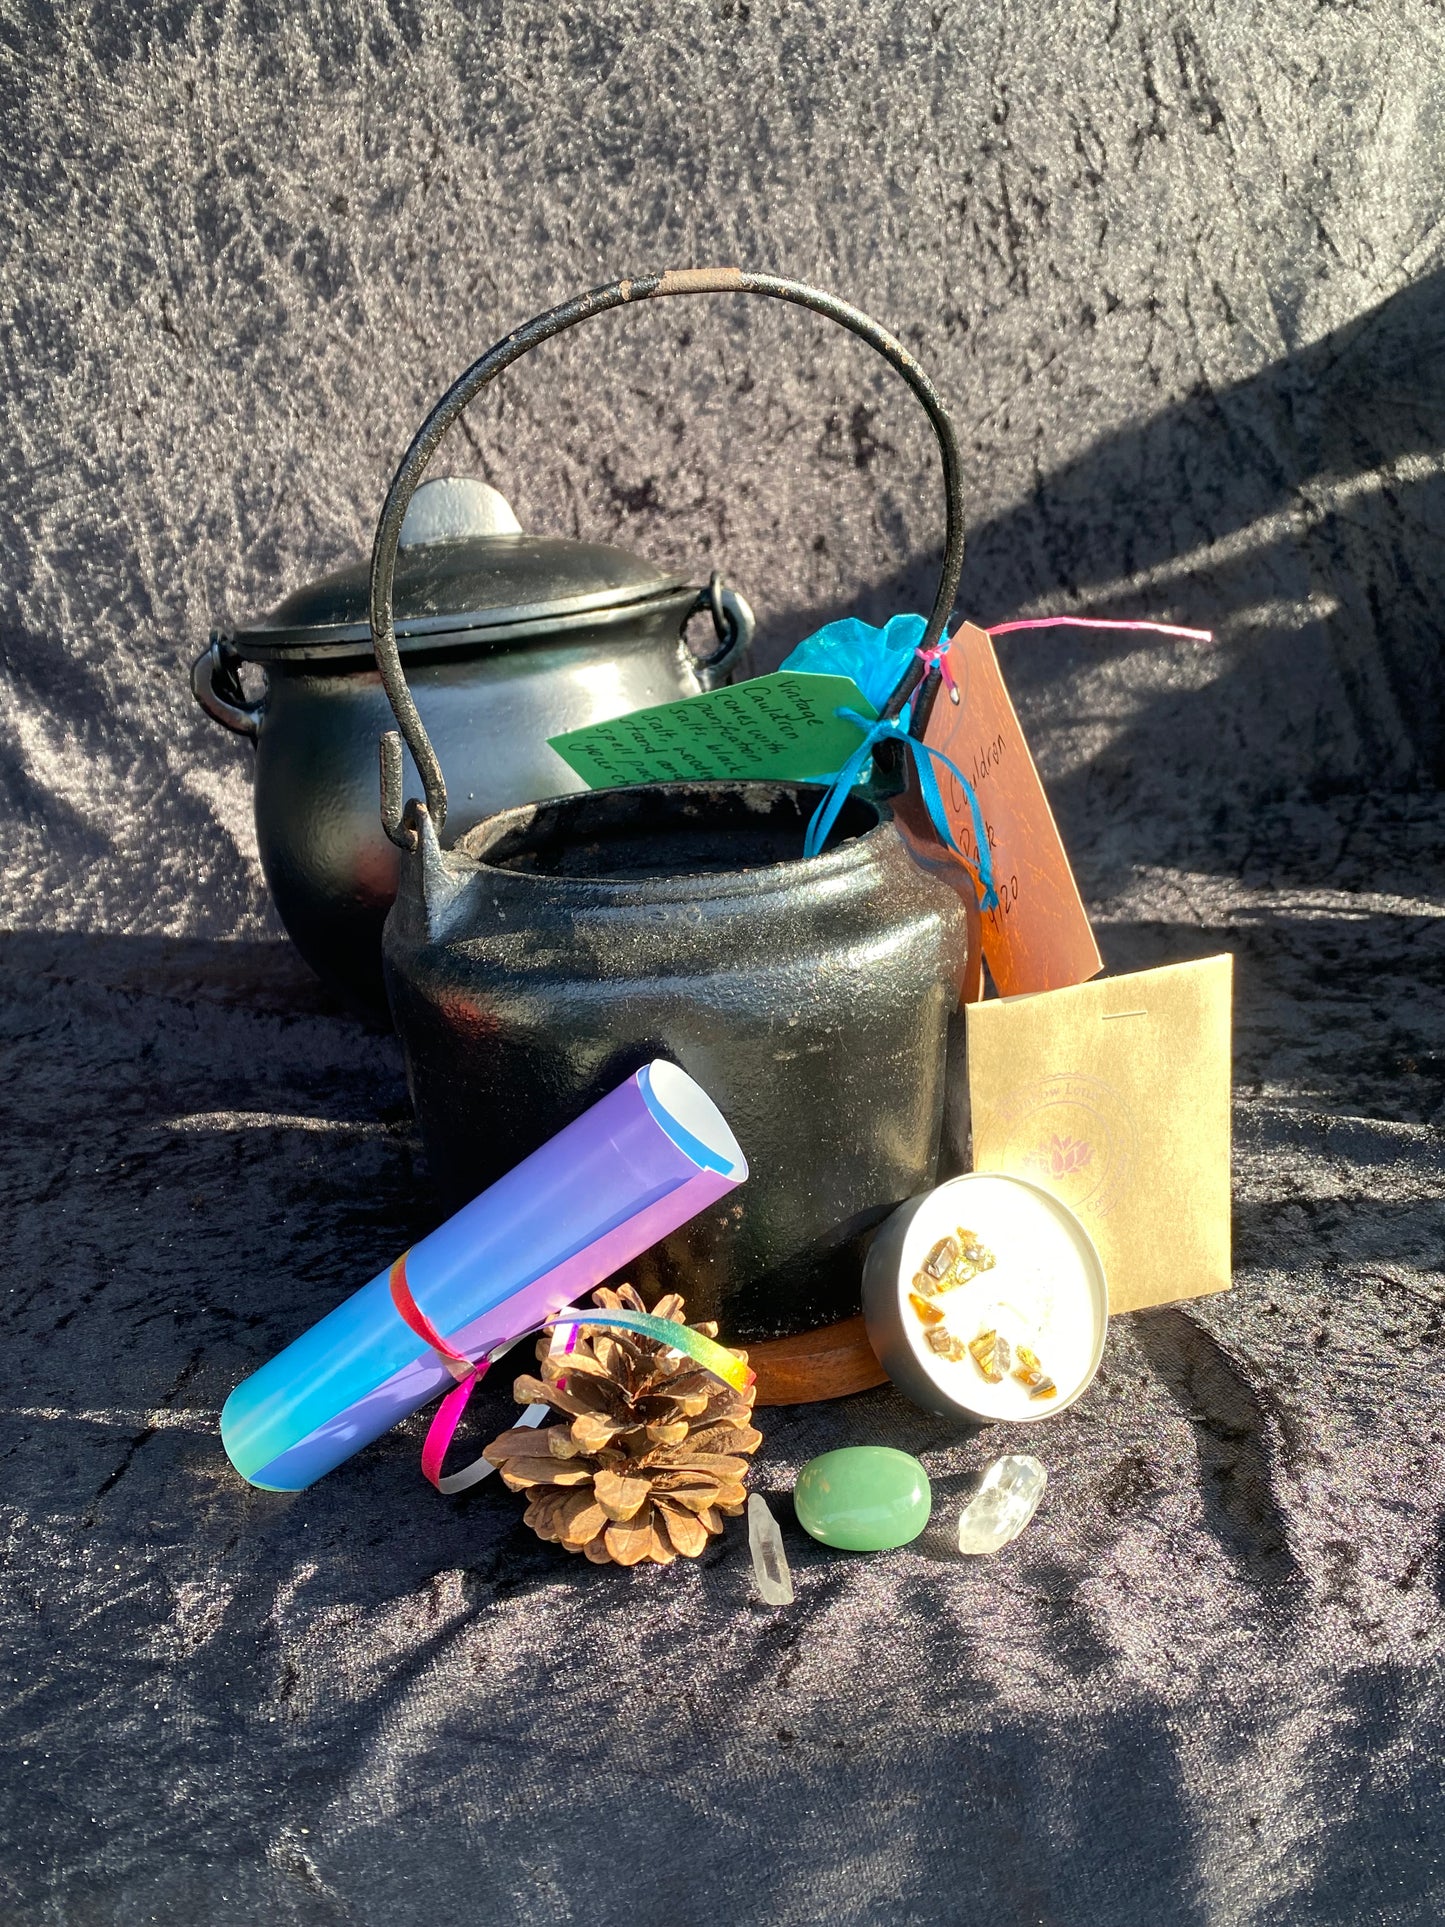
856, 846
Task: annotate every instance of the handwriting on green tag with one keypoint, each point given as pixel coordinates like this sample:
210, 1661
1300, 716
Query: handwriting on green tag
778, 728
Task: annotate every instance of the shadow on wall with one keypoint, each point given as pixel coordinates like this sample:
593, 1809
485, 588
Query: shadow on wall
1301, 514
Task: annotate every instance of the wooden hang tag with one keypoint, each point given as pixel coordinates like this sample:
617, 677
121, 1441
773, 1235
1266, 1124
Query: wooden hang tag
1040, 937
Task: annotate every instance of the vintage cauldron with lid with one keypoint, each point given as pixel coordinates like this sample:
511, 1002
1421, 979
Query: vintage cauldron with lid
509, 638
558, 945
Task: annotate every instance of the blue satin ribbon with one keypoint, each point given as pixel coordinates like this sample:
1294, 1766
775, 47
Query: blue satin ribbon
924, 756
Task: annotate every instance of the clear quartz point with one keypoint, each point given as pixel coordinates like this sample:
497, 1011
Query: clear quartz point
770, 1562
1007, 1498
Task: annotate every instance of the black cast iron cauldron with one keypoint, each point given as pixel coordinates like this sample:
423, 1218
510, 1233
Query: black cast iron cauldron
508, 639
558, 946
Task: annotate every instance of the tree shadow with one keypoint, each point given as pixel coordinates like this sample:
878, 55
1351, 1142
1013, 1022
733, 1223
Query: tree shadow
1232, 1438
1298, 512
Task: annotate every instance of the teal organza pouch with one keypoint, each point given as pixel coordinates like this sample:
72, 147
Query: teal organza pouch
876, 659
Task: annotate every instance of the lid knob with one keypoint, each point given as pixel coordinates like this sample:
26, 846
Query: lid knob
453, 507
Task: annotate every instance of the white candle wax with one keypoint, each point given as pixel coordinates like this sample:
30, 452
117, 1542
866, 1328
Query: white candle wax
1045, 1291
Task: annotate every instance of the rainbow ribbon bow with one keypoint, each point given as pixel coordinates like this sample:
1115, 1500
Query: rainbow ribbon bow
469, 1372
924, 756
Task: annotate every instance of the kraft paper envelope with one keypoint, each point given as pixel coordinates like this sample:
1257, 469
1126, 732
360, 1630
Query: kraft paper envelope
1114, 1095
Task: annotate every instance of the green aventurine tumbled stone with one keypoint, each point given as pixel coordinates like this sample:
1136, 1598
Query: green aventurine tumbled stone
863, 1498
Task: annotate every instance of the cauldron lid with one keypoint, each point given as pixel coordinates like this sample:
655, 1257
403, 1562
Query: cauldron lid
466, 574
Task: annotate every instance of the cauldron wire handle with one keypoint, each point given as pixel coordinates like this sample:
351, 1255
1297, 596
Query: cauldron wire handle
581, 308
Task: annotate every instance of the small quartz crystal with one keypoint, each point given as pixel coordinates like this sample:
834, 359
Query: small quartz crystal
1007, 1498
770, 1562
937, 1263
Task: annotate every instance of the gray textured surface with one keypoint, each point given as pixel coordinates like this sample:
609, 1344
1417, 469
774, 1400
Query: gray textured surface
1180, 273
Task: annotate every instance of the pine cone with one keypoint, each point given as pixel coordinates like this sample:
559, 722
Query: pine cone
654, 1453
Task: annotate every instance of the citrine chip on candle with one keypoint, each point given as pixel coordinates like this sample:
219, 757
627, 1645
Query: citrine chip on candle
1031, 1374
941, 1340
930, 1313
970, 1258
974, 1251
940, 1260
991, 1355
1028, 1370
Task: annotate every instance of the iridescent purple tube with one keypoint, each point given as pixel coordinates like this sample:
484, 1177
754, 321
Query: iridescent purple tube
641, 1162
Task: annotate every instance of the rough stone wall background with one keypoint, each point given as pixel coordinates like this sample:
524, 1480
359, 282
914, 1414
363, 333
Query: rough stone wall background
1176, 270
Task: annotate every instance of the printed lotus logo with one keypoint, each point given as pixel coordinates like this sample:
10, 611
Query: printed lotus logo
1061, 1156
1071, 1133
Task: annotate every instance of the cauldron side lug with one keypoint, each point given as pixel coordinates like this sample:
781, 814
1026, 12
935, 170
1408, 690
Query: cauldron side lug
216, 686
735, 625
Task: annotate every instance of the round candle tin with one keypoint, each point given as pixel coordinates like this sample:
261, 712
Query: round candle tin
1044, 1294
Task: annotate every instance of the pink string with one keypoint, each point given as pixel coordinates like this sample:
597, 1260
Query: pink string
1096, 622
937, 658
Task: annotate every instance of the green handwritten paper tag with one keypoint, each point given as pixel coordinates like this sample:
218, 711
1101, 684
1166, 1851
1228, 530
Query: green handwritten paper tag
778, 728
